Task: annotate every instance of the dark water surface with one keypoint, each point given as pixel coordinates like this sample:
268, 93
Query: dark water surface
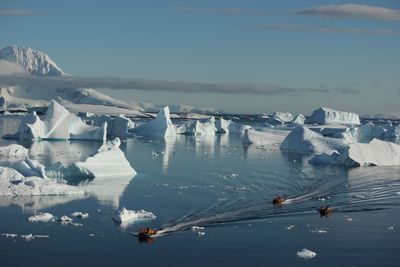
216, 183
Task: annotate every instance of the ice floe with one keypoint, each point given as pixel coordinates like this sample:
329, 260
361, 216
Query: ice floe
303, 140
57, 124
161, 126
41, 217
329, 116
262, 138
306, 254
374, 153
80, 215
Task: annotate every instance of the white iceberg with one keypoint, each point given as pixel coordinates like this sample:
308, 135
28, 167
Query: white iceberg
299, 119
108, 161
124, 215
266, 137
279, 118
375, 153
222, 125
59, 124
80, 215
303, 140
41, 217
160, 127
119, 126
198, 127
306, 254
329, 116
13, 151
237, 128
12, 183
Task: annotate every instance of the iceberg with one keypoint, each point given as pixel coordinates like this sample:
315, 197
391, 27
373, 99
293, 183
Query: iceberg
59, 124
279, 118
261, 138
222, 125
198, 127
303, 140
108, 161
299, 119
374, 153
80, 215
161, 126
13, 183
13, 151
329, 116
41, 217
306, 254
124, 215
118, 126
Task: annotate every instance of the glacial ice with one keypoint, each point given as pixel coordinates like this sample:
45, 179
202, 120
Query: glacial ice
306, 254
41, 217
280, 118
222, 125
161, 126
118, 126
303, 140
329, 116
13, 151
198, 127
58, 123
299, 119
108, 161
375, 153
124, 215
266, 137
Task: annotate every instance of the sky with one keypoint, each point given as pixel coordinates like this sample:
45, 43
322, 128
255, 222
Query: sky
303, 54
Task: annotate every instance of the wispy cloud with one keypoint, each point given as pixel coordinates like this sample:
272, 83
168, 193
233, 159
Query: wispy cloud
18, 13
153, 85
226, 11
352, 11
313, 29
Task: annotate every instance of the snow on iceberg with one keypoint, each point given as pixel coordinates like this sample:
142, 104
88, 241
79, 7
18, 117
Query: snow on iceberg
198, 127
329, 116
58, 123
303, 140
375, 153
108, 161
161, 126
13, 151
261, 138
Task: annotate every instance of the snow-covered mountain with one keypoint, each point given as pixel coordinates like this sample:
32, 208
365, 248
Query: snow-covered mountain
35, 62
38, 63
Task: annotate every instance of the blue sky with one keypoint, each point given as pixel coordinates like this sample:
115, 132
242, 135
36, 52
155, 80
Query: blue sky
351, 52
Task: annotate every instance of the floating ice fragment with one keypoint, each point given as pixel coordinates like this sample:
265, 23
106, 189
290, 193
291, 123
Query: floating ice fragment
197, 228
64, 219
390, 227
201, 233
28, 237
290, 227
306, 254
125, 215
9, 235
80, 215
41, 217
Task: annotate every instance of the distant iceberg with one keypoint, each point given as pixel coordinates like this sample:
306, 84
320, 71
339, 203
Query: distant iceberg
198, 127
159, 127
329, 116
58, 124
260, 138
119, 126
375, 153
303, 140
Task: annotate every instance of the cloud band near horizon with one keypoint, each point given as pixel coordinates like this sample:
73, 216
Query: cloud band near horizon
116, 83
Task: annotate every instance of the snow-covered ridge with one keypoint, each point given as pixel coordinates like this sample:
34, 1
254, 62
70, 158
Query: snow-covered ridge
34, 61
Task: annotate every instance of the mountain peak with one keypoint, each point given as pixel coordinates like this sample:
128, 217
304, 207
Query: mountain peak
34, 61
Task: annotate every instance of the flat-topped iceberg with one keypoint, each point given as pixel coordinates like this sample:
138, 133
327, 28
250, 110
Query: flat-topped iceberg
262, 138
329, 116
161, 126
108, 161
303, 140
374, 153
58, 123
198, 127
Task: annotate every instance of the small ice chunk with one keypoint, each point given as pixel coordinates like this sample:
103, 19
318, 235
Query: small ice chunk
28, 237
201, 233
91, 235
41, 217
390, 227
9, 235
41, 236
80, 215
290, 227
64, 219
197, 228
125, 215
306, 254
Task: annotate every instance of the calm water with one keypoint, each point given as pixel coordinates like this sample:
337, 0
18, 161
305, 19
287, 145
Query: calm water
219, 184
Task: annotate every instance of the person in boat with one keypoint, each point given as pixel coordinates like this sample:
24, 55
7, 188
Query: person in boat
325, 211
147, 231
278, 200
